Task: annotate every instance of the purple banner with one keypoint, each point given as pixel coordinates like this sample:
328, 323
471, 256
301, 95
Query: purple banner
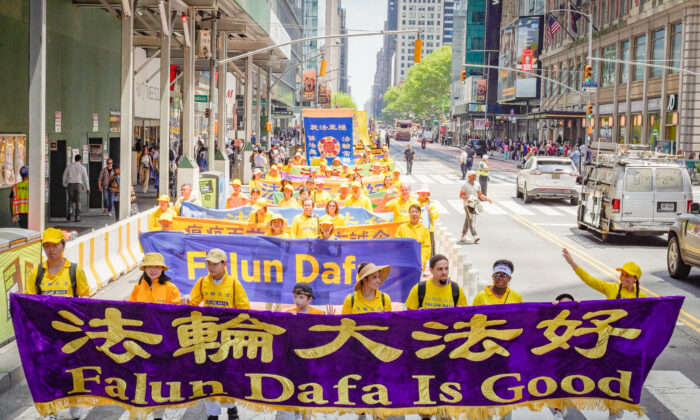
479, 361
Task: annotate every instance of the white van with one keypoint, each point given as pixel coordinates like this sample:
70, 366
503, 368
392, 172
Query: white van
633, 192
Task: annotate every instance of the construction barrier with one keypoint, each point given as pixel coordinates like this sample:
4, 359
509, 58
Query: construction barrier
107, 253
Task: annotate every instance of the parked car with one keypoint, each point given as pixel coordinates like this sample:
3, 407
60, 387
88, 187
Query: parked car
547, 177
478, 145
683, 250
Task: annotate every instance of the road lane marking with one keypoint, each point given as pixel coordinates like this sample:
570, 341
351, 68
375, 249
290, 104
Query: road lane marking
546, 210
516, 208
675, 391
441, 179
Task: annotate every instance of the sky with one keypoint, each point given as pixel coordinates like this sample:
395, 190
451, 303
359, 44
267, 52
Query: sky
363, 15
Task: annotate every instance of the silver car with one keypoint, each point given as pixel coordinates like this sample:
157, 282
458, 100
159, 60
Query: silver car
547, 177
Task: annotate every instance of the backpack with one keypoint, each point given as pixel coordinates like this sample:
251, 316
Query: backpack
114, 185
421, 293
352, 299
71, 273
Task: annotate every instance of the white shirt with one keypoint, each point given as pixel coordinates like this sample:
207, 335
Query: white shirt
463, 157
75, 173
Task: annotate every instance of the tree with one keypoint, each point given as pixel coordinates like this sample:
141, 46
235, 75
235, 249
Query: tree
425, 93
342, 100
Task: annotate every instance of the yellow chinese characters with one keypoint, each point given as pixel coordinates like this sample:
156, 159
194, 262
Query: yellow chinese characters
197, 334
347, 329
114, 335
478, 333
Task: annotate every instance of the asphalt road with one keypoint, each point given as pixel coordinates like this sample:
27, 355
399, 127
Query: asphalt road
532, 236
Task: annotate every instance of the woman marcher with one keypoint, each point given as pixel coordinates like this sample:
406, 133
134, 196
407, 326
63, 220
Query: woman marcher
389, 189
260, 214
304, 193
332, 212
629, 280
499, 293
288, 200
256, 182
367, 297
254, 195
276, 226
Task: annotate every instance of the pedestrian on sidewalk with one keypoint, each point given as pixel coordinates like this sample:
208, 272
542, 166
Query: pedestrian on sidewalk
409, 155
470, 194
483, 172
145, 172
463, 162
74, 177
113, 188
103, 183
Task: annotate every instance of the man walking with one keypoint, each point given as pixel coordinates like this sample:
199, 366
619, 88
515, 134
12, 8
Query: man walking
483, 172
470, 158
103, 183
74, 176
470, 195
463, 162
408, 156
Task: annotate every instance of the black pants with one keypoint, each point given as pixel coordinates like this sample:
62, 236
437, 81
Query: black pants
23, 220
470, 164
409, 167
463, 166
74, 191
484, 182
116, 210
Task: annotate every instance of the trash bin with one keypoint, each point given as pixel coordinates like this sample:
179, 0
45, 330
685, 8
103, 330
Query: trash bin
20, 252
212, 187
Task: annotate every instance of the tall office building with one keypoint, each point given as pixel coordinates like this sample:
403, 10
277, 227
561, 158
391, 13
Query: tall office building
433, 18
332, 47
343, 77
385, 59
310, 30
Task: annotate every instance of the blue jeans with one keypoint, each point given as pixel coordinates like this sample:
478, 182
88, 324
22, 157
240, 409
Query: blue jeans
108, 197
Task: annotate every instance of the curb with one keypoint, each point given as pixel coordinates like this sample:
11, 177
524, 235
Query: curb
14, 376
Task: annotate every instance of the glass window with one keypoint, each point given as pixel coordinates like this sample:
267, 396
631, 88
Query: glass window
657, 53
638, 180
625, 56
636, 137
608, 74
653, 127
640, 52
621, 128
605, 129
676, 46
668, 180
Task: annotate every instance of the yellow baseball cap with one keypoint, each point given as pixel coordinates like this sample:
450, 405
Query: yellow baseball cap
273, 167
167, 216
260, 203
344, 185
356, 184
289, 187
236, 182
216, 255
325, 220
632, 269
164, 197
53, 236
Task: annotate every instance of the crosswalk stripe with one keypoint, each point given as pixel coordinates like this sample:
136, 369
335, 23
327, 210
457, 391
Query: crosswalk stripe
492, 208
458, 205
516, 208
675, 391
423, 179
441, 179
440, 208
408, 179
572, 210
547, 210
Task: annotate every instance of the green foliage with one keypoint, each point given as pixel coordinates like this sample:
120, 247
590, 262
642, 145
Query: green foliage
342, 100
425, 92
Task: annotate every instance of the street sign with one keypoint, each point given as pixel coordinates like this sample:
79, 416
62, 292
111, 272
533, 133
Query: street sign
527, 61
201, 98
589, 87
480, 123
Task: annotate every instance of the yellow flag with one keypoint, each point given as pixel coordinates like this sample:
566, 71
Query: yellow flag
359, 126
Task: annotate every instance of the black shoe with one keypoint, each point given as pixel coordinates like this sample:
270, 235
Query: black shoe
157, 418
213, 418
232, 413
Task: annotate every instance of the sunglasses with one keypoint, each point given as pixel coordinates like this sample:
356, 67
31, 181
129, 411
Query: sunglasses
501, 275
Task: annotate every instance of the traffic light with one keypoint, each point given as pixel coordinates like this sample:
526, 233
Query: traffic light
463, 77
268, 126
417, 50
589, 111
322, 71
587, 73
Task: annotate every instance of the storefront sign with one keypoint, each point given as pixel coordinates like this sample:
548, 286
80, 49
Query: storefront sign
114, 120
637, 106
527, 60
95, 123
672, 102
653, 104
57, 122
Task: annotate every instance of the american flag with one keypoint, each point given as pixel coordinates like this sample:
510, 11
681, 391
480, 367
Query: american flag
554, 26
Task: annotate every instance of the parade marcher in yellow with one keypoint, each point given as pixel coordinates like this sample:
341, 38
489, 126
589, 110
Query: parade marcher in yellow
276, 227
362, 159
237, 198
273, 175
376, 168
255, 196
415, 229
400, 205
343, 193
154, 286
326, 228
428, 213
298, 160
332, 212
304, 193
438, 291
218, 289
337, 162
320, 196
397, 178
386, 158
346, 170
389, 188
288, 200
256, 181
56, 276
260, 215
186, 195
630, 273
306, 225
165, 221
367, 297
287, 167
357, 199
163, 207
499, 292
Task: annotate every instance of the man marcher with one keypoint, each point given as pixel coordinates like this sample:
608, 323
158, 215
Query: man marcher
74, 177
463, 163
470, 193
186, 195
499, 293
357, 199
414, 229
483, 172
306, 225
400, 205
19, 197
438, 291
428, 214
220, 290
321, 196
470, 158
103, 182
409, 155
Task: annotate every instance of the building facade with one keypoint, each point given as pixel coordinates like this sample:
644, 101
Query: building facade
343, 77
385, 59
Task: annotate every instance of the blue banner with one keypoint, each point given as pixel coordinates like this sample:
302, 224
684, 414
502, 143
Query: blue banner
332, 135
268, 268
353, 215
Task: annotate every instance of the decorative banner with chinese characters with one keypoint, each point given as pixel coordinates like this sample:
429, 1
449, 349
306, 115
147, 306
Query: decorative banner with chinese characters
225, 227
353, 215
328, 134
362, 170
269, 267
476, 361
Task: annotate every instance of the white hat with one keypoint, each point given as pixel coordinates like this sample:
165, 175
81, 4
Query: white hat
485, 157
471, 173
423, 189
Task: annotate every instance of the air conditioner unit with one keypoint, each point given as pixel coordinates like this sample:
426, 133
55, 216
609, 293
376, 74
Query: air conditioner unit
204, 43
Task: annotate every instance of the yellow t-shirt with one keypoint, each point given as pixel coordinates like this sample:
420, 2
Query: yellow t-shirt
317, 161
400, 208
362, 201
435, 297
159, 293
338, 221
292, 202
283, 235
607, 288
275, 178
305, 227
321, 197
228, 294
153, 224
239, 200
486, 297
58, 285
421, 234
255, 183
361, 305
254, 217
